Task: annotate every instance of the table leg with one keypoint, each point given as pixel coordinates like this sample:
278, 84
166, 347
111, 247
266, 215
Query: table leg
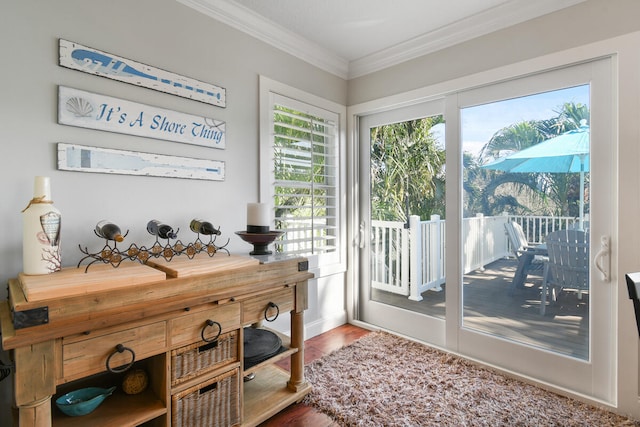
297, 380
36, 414
520, 276
34, 383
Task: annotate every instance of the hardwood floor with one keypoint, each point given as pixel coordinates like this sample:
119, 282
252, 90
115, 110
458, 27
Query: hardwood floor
299, 415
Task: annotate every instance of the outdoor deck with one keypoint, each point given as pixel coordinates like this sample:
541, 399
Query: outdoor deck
489, 306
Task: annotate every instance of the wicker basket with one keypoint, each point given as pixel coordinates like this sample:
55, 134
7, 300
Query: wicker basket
213, 403
194, 360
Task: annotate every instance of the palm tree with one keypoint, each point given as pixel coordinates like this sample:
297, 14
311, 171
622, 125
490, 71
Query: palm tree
515, 137
407, 170
555, 194
493, 193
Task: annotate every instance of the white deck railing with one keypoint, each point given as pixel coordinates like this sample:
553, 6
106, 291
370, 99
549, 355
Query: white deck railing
536, 228
390, 256
410, 261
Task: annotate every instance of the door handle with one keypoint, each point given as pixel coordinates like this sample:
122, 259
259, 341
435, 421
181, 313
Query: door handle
360, 238
603, 260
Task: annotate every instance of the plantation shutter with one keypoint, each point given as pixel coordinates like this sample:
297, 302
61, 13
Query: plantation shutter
305, 177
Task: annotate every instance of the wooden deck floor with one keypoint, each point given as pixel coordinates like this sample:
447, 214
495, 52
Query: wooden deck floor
490, 307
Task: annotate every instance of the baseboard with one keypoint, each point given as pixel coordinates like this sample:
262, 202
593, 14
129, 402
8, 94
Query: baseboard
320, 326
364, 325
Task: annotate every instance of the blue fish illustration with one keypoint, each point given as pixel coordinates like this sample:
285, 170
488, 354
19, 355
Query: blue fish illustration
99, 62
95, 61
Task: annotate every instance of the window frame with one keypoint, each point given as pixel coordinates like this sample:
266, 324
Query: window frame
270, 91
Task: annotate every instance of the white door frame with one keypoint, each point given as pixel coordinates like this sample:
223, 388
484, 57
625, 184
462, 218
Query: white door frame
538, 65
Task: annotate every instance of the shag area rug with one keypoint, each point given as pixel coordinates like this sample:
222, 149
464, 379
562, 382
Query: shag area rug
385, 380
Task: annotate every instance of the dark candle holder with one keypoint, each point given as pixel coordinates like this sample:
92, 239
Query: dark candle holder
260, 241
257, 228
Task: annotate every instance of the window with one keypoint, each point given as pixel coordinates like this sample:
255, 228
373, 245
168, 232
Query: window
300, 153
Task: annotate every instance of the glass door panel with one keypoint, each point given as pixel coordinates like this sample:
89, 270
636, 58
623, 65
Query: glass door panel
526, 177
404, 171
534, 210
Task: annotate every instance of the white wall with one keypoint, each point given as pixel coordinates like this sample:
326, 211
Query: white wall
579, 25
169, 35
588, 30
165, 34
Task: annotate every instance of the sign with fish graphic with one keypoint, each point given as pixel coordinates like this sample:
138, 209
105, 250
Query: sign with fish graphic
94, 111
99, 63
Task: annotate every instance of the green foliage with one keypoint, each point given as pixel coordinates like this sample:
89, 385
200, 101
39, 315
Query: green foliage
515, 137
407, 170
492, 192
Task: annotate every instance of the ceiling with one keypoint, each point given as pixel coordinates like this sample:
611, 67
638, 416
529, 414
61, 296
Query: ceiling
351, 38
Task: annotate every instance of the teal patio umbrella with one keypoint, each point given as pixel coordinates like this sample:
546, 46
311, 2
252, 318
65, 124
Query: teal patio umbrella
565, 153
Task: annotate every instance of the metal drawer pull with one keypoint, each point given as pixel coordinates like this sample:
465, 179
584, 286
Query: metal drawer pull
210, 322
121, 349
271, 305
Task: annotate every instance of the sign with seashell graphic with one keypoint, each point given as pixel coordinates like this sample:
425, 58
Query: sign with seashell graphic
94, 111
82, 158
99, 63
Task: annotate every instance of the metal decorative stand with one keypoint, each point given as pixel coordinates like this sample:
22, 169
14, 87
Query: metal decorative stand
111, 254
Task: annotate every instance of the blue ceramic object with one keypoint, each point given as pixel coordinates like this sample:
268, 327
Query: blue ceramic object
83, 401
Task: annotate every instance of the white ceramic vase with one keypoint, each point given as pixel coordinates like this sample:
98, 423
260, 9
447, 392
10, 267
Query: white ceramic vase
41, 231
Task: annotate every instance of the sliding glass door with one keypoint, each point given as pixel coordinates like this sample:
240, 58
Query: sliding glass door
509, 265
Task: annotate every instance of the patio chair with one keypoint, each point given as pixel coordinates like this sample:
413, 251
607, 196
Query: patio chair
530, 259
517, 237
568, 264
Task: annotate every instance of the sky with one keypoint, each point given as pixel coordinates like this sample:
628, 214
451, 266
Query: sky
479, 123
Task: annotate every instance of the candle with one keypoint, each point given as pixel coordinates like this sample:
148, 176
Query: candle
258, 218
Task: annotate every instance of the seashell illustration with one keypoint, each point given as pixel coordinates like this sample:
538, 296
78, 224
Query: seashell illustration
50, 223
211, 123
79, 107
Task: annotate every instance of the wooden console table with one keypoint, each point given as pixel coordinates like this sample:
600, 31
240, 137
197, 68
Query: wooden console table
181, 321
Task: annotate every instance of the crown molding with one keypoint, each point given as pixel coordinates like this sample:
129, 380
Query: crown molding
249, 22
502, 16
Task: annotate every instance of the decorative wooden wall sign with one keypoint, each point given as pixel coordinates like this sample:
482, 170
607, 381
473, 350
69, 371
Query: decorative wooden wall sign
94, 111
99, 63
82, 158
